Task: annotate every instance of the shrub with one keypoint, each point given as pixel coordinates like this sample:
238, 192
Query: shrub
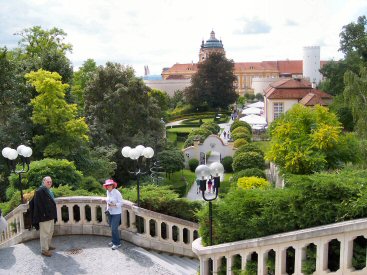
193, 163
249, 147
240, 123
92, 185
240, 129
227, 164
248, 160
252, 182
211, 126
241, 135
67, 191
62, 172
240, 142
251, 172
163, 200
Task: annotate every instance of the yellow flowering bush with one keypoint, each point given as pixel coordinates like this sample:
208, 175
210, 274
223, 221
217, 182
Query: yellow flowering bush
252, 183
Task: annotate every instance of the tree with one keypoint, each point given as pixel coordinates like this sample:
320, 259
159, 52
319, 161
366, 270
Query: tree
81, 79
63, 132
171, 161
355, 95
119, 112
45, 49
213, 84
303, 138
161, 98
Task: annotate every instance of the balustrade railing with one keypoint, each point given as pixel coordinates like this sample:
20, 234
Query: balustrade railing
338, 248
85, 215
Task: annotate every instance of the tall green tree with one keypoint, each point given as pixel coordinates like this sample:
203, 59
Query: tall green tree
213, 84
81, 79
172, 160
355, 95
307, 140
63, 131
45, 49
120, 113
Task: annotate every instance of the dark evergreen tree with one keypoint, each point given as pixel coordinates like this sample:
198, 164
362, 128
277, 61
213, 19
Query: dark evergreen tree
213, 84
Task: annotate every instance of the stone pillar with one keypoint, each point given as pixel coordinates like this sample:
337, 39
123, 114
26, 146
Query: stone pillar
244, 257
133, 227
158, 229
71, 214
346, 254
261, 262
59, 216
229, 259
83, 220
321, 257
204, 268
93, 212
124, 218
146, 226
299, 256
280, 260
216, 264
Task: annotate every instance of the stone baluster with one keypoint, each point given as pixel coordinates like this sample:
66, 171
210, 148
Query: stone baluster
229, 264
124, 218
59, 215
244, 258
83, 219
280, 260
346, 254
71, 214
262, 256
93, 209
133, 225
322, 256
21, 222
300, 255
204, 266
216, 264
158, 229
169, 232
146, 226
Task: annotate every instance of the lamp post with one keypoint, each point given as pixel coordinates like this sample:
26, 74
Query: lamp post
139, 152
11, 155
202, 172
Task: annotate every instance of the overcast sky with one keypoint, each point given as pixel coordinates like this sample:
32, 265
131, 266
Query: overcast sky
160, 33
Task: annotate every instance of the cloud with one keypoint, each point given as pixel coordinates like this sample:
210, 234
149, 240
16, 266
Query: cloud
291, 23
253, 26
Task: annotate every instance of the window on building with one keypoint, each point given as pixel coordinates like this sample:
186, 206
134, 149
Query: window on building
278, 109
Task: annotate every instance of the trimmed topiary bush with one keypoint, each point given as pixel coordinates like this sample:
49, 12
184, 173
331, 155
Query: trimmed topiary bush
240, 142
252, 182
249, 147
240, 123
242, 135
248, 160
251, 172
193, 163
241, 129
227, 164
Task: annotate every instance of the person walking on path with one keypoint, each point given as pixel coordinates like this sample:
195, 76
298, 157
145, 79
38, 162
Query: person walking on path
45, 215
197, 186
114, 204
210, 183
224, 134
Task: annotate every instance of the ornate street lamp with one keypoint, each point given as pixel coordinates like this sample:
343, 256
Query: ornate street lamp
203, 172
11, 155
136, 154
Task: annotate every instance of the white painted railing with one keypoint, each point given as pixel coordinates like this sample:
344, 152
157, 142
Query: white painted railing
342, 235
85, 215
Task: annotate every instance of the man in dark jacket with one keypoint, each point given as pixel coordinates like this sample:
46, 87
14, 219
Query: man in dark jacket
44, 213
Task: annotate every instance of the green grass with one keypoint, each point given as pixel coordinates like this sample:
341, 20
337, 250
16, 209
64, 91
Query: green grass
180, 130
177, 182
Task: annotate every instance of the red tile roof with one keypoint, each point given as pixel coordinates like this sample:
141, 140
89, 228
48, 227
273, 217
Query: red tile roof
290, 88
312, 99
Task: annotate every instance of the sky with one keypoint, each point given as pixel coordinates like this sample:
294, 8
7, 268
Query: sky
160, 33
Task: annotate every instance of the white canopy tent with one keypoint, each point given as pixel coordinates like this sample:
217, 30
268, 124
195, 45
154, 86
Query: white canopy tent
254, 120
258, 104
251, 110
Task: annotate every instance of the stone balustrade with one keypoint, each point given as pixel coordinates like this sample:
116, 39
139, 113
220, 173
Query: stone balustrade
326, 249
85, 215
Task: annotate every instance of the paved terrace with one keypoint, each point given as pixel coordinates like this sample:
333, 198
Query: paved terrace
82, 254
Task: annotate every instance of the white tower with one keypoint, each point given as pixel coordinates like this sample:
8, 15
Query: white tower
311, 64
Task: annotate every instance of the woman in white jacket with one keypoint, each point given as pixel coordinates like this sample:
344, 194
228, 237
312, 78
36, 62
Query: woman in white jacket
114, 206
